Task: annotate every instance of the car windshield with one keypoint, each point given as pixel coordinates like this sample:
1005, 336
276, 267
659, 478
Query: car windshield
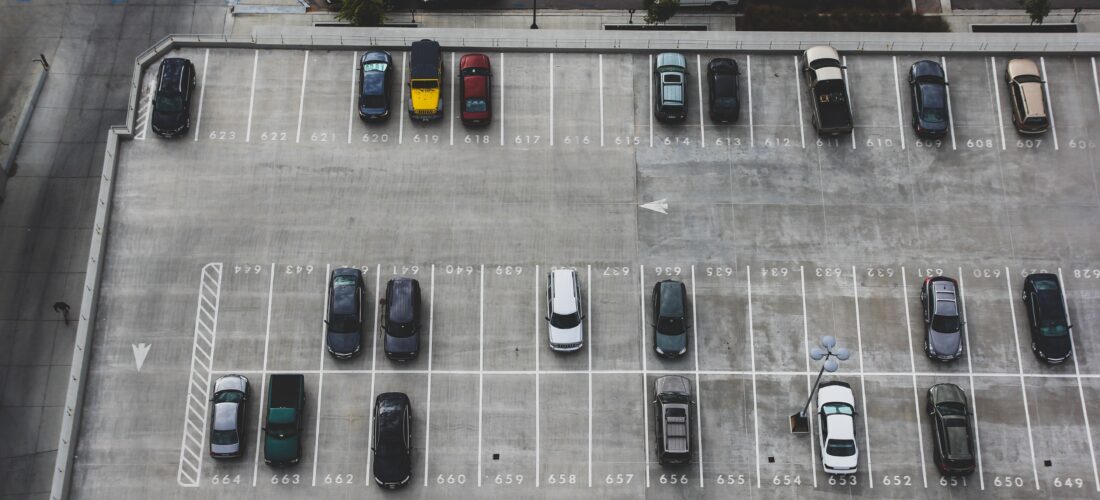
945, 324
374, 66
476, 105
169, 103
1028, 79
670, 326
223, 437
837, 409
565, 320
841, 447
670, 68
229, 397
1052, 329
933, 115
725, 102
824, 62
282, 430
951, 409
424, 84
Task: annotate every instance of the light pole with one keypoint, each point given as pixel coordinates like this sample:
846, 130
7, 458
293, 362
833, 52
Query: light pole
800, 422
534, 14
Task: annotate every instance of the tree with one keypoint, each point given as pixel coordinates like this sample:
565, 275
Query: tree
1037, 9
658, 11
362, 12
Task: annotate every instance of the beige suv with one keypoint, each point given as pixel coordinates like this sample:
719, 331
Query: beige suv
1025, 90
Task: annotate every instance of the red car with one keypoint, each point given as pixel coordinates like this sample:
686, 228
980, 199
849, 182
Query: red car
475, 83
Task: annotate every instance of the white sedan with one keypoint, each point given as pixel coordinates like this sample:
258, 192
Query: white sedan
836, 415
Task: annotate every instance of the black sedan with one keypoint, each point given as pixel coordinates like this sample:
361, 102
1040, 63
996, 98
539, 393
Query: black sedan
928, 86
344, 326
952, 433
942, 324
1047, 319
392, 440
375, 77
722, 74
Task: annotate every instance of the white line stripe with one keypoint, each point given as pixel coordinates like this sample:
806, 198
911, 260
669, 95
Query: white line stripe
650, 100
702, 126
950, 114
645, 378
321, 376
301, 108
863, 383
202, 93
748, 74
698, 385
401, 117
428, 403
752, 358
801, 121
1095, 84
901, 132
481, 367
538, 415
853, 113
1080, 387
148, 100
454, 111
809, 385
997, 100
1050, 104
970, 373
263, 376
252, 96
601, 128
913, 367
1023, 384
374, 370
501, 112
551, 98
591, 336
351, 104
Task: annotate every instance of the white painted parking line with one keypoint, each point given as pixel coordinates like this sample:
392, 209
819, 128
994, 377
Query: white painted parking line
844, 62
301, 108
901, 131
745, 373
145, 111
702, 126
428, 403
950, 114
321, 376
650, 100
252, 95
970, 373
1050, 104
454, 111
801, 121
373, 375
481, 363
752, 358
263, 376
1023, 384
862, 382
202, 93
551, 98
591, 335
538, 415
500, 114
748, 73
645, 382
913, 367
601, 112
1095, 84
1080, 387
351, 104
401, 125
809, 385
698, 386
997, 99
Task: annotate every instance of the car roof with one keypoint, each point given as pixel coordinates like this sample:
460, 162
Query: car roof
225, 416
672, 93
821, 52
672, 299
841, 426
671, 59
1033, 98
344, 300
475, 85
425, 59
400, 300
564, 300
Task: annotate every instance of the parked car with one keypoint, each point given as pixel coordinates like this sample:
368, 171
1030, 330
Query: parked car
830, 109
942, 324
670, 87
375, 85
401, 319
344, 325
425, 81
928, 92
952, 434
227, 417
1025, 92
563, 306
475, 89
286, 403
672, 410
1047, 319
836, 410
171, 115
723, 90
670, 329
392, 445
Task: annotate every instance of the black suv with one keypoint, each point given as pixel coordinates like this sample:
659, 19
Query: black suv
1046, 314
171, 114
722, 76
942, 326
670, 330
344, 326
401, 319
392, 445
672, 407
952, 434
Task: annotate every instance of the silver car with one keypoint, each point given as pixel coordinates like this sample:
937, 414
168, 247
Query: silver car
227, 416
563, 303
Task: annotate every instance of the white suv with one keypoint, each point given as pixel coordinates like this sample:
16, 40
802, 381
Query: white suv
563, 306
836, 409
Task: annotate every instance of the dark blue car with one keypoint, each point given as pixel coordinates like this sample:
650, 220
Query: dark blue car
344, 325
401, 319
375, 77
928, 84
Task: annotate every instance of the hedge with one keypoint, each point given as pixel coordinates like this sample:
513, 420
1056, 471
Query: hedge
774, 18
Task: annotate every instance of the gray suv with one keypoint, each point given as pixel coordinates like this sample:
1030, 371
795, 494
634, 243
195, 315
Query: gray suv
942, 324
670, 87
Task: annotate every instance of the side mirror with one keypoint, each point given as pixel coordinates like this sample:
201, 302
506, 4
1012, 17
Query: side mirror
547, 318
326, 321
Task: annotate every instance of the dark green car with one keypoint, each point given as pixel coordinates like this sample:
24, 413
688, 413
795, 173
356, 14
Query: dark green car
286, 401
670, 330
952, 434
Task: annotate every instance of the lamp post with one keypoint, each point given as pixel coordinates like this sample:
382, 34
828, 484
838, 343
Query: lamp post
1075, 12
534, 14
800, 422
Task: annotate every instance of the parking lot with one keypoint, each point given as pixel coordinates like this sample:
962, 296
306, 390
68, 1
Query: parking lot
221, 242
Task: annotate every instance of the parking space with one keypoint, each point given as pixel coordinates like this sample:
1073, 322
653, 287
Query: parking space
779, 324
509, 433
242, 316
326, 108
453, 448
514, 311
225, 95
786, 463
720, 313
456, 317
527, 120
564, 437
614, 341
342, 443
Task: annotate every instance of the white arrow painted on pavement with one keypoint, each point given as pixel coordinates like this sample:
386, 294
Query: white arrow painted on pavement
140, 352
660, 206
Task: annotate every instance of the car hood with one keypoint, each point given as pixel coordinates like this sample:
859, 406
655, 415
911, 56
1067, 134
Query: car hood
1053, 347
671, 344
223, 449
162, 119
944, 344
392, 469
424, 99
343, 342
566, 335
408, 344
